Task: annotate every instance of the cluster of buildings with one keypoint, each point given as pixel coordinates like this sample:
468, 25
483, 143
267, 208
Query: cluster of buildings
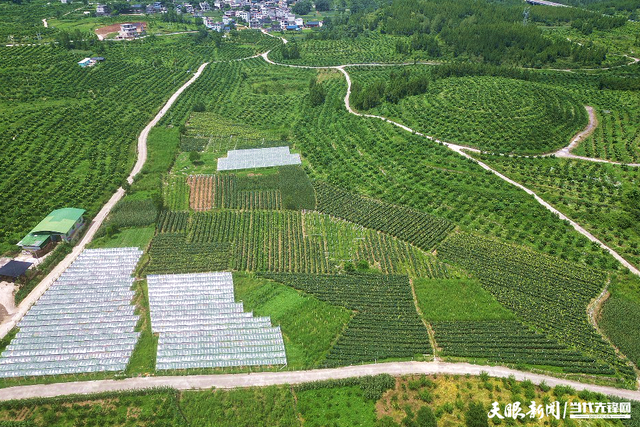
269, 14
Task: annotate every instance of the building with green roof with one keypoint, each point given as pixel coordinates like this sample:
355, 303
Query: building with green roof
59, 225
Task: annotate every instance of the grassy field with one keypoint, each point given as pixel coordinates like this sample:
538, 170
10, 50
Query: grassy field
143, 358
273, 406
457, 299
127, 238
344, 407
309, 326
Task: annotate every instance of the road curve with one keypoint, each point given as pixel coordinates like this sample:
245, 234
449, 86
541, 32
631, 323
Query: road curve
565, 152
259, 379
462, 150
44, 284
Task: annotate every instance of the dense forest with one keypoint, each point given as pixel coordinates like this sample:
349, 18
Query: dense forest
496, 33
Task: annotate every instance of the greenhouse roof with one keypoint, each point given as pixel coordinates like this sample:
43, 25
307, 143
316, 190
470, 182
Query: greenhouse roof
59, 221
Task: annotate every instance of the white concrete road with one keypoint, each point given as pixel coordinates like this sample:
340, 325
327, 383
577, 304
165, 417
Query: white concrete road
194, 382
142, 139
99, 218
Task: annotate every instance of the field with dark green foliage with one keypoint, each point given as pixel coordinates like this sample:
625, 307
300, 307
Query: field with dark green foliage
50, 116
520, 279
411, 185
386, 324
602, 198
379, 160
491, 113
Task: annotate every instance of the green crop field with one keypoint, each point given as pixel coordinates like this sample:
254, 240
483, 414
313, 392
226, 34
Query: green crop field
386, 324
361, 50
309, 325
547, 293
617, 136
81, 161
457, 300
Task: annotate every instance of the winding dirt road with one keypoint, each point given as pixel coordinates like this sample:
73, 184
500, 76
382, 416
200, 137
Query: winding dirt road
260, 379
462, 150
581, 136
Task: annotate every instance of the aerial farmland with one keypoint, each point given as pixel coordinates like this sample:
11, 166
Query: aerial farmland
386, 213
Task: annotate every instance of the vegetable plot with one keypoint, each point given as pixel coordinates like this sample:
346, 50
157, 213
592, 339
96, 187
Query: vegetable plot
547, 293
418, 228
386, 324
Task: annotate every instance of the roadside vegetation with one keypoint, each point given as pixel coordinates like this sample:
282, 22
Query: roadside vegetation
381, 401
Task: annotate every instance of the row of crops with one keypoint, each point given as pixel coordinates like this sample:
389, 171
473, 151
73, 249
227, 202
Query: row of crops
281, 241
386, 324
510, 341
421, 229
261, 240
171, 253
219, 191
547, 293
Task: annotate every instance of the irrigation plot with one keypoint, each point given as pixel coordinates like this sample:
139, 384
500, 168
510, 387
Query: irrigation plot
258, 158
201, 326
83, 323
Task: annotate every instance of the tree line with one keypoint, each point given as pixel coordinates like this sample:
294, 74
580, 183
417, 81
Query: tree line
482, 31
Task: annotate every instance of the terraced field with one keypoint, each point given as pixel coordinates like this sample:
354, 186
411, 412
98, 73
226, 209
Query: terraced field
490, 113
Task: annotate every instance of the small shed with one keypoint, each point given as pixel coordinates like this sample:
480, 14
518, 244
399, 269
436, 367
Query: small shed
85, 62
13, 270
